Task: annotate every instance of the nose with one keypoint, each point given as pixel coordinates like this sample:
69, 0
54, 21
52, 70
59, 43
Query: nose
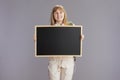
58, 14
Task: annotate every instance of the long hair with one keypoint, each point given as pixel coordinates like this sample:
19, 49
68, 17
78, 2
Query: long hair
52, 19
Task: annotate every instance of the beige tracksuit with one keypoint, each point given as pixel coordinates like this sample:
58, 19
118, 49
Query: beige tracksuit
61, 68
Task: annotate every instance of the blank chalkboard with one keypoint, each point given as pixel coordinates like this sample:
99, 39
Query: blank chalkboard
57, 40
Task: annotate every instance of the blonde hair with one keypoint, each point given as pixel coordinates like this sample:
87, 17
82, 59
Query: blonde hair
58, 7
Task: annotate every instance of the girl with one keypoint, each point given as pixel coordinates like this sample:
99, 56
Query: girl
60, 68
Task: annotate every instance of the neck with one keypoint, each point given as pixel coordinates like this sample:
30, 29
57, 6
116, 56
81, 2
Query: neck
60, 22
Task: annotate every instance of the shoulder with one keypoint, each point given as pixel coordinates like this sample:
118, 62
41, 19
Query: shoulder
70, 23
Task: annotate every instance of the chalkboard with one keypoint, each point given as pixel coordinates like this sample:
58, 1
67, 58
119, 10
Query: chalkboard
58, 40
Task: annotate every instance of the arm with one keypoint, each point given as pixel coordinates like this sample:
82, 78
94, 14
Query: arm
71, 23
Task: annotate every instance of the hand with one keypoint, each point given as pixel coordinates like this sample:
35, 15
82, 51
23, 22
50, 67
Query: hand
34, 37
81, 37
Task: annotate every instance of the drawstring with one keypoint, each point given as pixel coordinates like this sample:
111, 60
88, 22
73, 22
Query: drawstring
59, 66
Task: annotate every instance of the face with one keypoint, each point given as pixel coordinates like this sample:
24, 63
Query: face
58, 15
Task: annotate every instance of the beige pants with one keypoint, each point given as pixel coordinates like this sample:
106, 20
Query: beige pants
61, 69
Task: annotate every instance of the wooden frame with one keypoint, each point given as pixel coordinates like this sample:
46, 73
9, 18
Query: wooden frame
64, 36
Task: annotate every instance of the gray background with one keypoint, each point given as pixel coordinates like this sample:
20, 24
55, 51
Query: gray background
101, 46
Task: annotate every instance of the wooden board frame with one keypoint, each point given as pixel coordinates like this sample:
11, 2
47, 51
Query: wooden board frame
54, 26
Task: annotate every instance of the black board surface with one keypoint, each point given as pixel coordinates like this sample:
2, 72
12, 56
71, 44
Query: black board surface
57, 41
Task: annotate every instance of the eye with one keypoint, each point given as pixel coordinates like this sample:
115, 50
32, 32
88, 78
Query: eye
55, 12
61, 12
